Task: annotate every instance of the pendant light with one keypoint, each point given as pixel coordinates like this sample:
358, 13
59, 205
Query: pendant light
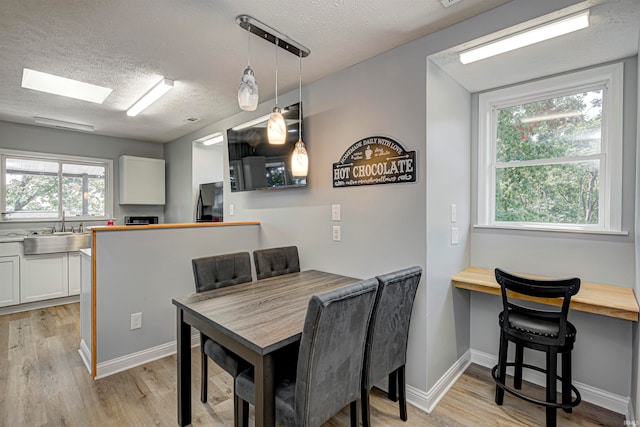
248, 90
299, 158
276, 127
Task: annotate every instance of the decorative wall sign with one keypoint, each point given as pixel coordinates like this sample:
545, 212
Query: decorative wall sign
375, 160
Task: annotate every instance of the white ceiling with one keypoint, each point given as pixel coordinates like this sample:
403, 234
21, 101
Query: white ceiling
128, 45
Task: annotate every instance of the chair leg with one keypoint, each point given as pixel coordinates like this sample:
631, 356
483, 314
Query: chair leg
502, 367
393, 386
204, 374
517, 378
366, 410
402, 388
354, 413
552, 368
240, 412
566, 380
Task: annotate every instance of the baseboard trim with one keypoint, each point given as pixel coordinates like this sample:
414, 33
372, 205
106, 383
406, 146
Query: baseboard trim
630, 417
85, 355
119, 364
36, 305
599, 397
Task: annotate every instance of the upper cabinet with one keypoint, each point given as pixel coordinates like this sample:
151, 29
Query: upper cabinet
142, 181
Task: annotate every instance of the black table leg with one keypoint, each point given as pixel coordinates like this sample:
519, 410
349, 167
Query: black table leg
264, 388
184, 370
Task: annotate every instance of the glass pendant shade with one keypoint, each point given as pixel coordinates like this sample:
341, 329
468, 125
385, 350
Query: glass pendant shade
248, 91
299, 160
276, 127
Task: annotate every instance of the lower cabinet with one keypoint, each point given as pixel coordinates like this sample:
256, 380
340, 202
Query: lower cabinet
44, 276
74, 273
9, 280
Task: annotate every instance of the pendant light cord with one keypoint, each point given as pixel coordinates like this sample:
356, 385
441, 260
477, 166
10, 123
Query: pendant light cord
277, 45
300, 99
249, 31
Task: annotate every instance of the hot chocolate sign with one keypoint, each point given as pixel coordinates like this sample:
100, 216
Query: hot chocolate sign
375, 160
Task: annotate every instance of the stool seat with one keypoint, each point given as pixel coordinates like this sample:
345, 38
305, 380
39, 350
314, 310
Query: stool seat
535, 325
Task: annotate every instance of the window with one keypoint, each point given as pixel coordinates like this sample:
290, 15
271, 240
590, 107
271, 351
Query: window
550, 153
43, 186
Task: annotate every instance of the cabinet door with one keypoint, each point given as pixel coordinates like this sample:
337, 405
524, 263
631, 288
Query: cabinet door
74, 273
44, 277
9, 280
142, 181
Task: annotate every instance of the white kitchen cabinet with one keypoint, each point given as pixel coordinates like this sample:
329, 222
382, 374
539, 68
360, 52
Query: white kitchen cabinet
9, 280
44, 277
142, 181
74, 273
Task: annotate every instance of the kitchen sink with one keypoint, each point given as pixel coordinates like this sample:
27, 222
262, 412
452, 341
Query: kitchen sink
56, 242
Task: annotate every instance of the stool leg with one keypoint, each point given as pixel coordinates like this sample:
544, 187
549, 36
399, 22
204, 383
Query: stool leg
393, 386
517, 379
566, 380
502, 367
552, 371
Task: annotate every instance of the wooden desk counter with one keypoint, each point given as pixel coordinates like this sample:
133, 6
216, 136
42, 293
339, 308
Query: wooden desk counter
597, 298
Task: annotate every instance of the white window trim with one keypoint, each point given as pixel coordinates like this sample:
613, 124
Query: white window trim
610, 213
108, 202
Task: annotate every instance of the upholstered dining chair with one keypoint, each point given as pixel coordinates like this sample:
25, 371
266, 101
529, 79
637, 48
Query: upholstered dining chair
276, 261
214, 272
386, 349
329, 367
545, 330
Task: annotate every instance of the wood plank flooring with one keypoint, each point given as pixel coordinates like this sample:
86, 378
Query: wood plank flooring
43, 382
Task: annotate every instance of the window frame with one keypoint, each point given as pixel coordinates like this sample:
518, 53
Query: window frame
60, 159
610, 79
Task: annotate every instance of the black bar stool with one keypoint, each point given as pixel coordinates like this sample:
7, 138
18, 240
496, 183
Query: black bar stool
541, 330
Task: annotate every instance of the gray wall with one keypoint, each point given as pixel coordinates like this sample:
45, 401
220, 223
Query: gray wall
384, 227
47, 140
635, 383
602, 342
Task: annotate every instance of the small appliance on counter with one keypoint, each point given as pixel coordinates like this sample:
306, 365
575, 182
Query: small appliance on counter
210, 203
140, 220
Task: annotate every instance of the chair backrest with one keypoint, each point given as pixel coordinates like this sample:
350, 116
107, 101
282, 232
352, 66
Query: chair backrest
542, 289
331, 352
218, 271
388, 334
276, 261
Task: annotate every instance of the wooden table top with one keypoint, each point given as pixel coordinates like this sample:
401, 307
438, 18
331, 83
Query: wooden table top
266, 314
598, 298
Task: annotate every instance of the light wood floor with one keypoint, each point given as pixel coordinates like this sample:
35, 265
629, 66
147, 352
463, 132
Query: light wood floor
44, 382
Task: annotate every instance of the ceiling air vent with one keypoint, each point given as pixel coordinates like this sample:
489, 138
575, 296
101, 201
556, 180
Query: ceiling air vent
193, 119
447, 3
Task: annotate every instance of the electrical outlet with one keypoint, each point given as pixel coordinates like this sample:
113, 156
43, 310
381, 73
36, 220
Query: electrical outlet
454, 235
454, 213
232, 210
336, 233
335, 213
136, 321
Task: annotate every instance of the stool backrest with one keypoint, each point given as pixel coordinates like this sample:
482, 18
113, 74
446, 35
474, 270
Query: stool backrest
219, 271
276, 261
329, 367
545, 291
388, 334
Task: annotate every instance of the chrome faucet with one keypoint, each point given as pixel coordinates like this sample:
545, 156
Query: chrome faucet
62, 229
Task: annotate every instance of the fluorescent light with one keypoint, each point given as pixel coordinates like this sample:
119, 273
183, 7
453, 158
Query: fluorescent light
528, 37
62, 124
214, 138
164, 86
62, 86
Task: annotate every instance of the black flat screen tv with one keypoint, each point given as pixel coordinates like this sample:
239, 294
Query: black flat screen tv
254, 164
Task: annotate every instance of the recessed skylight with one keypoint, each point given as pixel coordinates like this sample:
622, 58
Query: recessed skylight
62, 86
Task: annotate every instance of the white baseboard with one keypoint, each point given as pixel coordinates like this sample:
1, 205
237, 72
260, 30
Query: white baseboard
431, 398
599, 397
37, 305
630, 417
119, 364
85, 354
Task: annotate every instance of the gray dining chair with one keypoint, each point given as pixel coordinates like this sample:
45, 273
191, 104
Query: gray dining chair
214, 272
276, 261
386, 348
328, 372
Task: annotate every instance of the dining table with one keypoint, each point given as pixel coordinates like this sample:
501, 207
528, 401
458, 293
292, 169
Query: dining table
253, 320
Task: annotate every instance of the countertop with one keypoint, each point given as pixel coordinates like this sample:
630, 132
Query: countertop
166, 226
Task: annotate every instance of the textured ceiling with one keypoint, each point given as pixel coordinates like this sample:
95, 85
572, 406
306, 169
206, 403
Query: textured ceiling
128, 45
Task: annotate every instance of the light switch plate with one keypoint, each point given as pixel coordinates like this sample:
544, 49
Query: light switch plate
454, 212
336, 233
454, 235
335, 213
232, 210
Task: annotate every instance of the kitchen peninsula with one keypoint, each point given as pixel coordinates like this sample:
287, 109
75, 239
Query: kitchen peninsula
135, 271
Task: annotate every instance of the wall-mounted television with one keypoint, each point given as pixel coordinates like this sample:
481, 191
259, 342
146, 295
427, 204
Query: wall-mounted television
254, 164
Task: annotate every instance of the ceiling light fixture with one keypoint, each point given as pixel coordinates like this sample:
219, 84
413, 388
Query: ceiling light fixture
214, 138
276, 127
62, 124
248, 96
164, 86
299, 158
56, 85
528, 37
